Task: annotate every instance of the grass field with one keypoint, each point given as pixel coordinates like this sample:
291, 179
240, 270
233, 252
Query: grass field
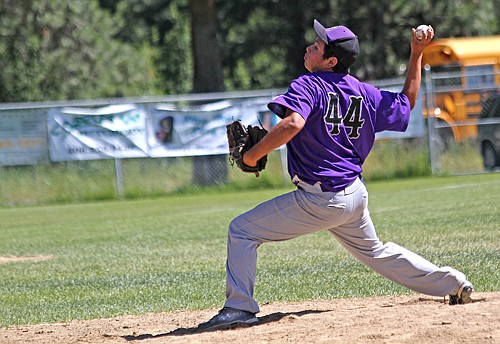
130, 257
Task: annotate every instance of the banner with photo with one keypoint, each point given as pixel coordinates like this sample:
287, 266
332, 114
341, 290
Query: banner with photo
200, 130
161, 130
116, 131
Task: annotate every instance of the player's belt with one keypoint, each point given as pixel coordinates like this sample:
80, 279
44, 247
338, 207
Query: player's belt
302, 185
319, 188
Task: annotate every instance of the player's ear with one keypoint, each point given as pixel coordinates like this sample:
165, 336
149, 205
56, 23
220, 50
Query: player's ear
332, 61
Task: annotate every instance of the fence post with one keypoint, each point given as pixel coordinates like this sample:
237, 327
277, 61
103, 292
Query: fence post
431, 121
119, 177
284, 168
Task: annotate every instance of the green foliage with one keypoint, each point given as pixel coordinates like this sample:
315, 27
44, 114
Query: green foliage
165, 25
254, 27
255, 70
133, 257
175, 62
454, 18
252, 52
54, 49
384, 28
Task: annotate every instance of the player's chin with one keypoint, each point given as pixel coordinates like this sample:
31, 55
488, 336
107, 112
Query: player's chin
306, 65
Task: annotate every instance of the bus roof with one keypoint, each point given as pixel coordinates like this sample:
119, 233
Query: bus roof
463, 50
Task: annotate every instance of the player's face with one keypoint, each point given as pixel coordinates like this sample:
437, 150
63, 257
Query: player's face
313, 59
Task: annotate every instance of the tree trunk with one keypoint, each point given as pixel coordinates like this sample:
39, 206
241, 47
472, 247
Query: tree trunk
208, 71
208, 77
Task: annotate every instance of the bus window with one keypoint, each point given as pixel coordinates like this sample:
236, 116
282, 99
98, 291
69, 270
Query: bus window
447, 76
480, 76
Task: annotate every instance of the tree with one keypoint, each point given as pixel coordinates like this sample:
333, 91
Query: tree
264, 40
208, 73
384, 28
165, 26
53, 50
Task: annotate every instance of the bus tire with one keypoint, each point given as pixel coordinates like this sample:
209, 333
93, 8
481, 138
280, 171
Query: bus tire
490, 157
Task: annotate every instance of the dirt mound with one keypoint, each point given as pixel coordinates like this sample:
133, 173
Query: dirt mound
15, 259
402, 319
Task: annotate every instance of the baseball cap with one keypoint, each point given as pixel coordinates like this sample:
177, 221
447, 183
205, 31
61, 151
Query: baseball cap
344, 42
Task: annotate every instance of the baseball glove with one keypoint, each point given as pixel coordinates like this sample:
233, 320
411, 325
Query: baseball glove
240, 140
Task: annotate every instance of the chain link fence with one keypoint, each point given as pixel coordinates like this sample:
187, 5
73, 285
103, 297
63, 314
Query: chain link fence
463, 116
29, 176
93, 180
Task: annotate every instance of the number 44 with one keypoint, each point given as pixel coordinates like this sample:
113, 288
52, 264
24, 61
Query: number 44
352, 118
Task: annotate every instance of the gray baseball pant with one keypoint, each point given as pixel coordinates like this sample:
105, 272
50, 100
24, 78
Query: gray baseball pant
345, 215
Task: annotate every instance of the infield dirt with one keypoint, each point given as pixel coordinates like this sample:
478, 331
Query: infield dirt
401, 319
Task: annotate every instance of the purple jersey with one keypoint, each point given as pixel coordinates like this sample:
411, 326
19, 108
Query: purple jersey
342, 116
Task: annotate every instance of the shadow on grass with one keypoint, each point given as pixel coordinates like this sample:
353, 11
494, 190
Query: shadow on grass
193, 330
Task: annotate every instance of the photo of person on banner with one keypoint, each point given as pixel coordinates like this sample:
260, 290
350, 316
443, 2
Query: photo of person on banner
166, 129
267, 119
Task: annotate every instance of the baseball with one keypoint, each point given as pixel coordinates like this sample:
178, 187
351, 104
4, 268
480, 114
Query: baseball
422, 31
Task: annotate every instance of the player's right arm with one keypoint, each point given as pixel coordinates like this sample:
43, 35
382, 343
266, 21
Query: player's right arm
414, 73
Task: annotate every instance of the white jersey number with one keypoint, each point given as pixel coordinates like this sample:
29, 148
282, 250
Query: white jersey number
352, 118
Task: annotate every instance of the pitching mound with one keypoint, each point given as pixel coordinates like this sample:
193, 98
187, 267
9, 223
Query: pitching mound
404, 319
4, 260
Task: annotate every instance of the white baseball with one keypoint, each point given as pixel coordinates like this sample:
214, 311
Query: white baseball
422, 31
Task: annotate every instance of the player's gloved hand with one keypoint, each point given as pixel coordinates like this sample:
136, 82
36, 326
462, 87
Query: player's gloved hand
240, 140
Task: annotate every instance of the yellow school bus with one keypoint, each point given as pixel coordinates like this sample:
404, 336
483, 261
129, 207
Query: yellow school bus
465, 72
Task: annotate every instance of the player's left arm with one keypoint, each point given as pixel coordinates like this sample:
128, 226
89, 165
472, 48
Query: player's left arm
414, 74
283, 132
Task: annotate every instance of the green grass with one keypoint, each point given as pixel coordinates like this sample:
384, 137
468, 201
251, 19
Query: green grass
130, 257
95, 180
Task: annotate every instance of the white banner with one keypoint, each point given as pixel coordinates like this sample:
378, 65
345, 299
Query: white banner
116, 131
129, 131
200, 130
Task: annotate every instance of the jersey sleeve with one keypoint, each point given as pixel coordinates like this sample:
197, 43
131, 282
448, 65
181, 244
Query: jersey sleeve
298, 98
393, 112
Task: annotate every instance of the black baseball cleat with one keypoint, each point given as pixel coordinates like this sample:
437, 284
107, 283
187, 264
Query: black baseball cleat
463, 296
228, 316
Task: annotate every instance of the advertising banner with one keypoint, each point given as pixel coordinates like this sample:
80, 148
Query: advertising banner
161, 130
200, 130
116, 131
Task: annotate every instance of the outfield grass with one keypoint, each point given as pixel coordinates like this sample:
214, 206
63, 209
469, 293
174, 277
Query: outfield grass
130, 257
